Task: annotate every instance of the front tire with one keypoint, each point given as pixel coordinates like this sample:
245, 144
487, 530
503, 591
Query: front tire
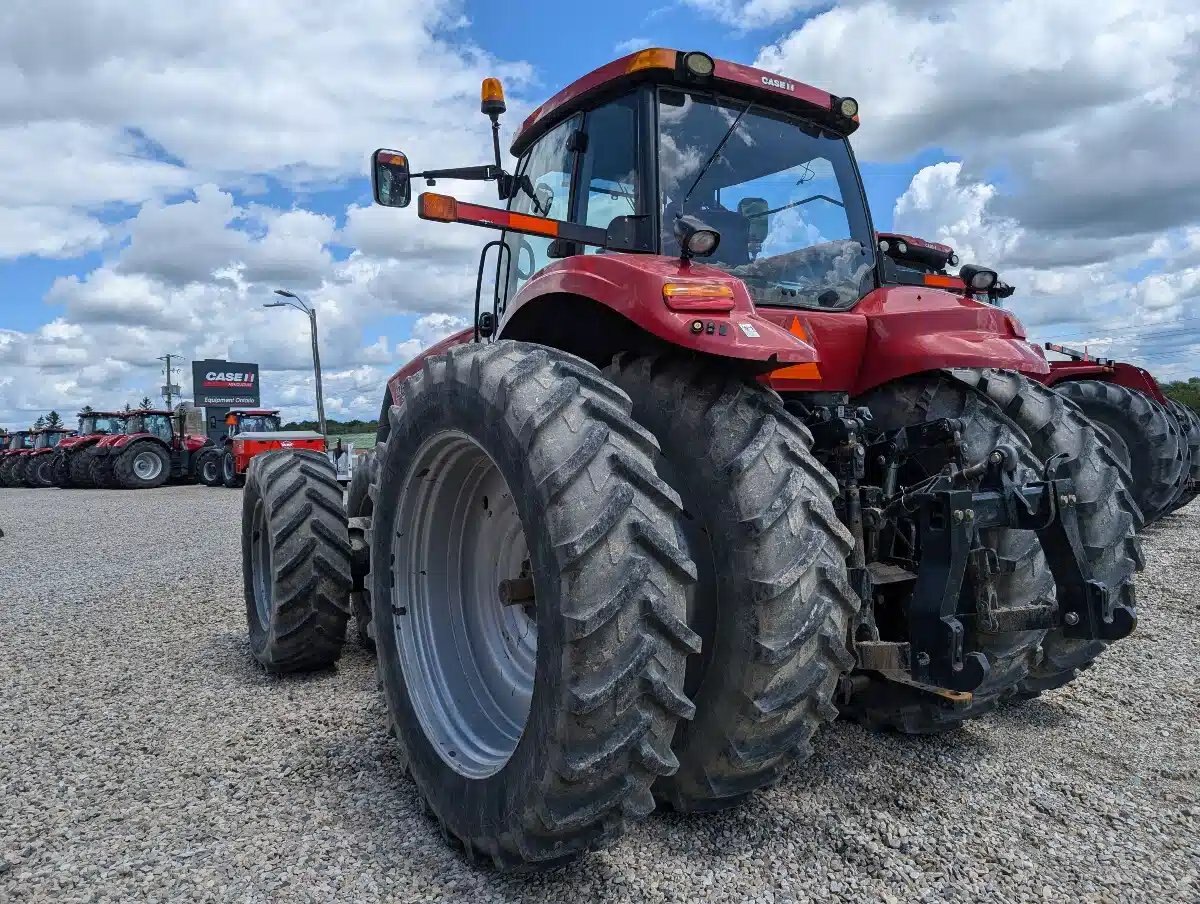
1144, 436
566, 703
295, 561
79, 469
773, 604
1189, 423
1108, 515
145, 465
360, 508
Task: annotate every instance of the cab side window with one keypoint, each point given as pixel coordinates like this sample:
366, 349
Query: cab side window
609, 182
543, 190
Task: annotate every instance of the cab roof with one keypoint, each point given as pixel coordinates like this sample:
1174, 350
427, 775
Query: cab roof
150, 411
259, 412
102, 414
663, 65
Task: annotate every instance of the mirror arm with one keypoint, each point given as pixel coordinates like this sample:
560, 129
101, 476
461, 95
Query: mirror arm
467, 173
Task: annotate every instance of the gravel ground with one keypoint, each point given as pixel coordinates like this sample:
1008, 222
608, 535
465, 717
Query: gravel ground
143, 756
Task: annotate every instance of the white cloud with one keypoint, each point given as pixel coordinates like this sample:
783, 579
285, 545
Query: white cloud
752, 14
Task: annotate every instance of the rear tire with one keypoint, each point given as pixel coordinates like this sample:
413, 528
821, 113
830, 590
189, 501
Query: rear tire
1145, 438
1189, 423
79, 469
101, 471
573, 487
295, 561
773, 604
6, 466
1108, 515
41, 472
144, 465
1024, 579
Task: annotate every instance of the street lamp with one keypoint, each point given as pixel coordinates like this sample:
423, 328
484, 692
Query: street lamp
300, 305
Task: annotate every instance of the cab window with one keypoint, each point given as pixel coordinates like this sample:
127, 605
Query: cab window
609, 171
543, 190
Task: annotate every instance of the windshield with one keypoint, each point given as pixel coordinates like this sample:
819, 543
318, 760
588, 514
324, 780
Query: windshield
42, 441
783, 194
259, 423
98, 423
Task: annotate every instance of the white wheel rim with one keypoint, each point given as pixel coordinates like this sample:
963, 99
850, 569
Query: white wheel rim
147, 466
468, 660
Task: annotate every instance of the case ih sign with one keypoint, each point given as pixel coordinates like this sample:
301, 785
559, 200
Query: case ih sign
224, 383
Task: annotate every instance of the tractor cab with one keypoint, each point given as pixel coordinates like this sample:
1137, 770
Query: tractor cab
20, 441
101, 423
160, 424
48, 438
252, 420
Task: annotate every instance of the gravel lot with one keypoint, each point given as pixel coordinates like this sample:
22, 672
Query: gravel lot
144, 757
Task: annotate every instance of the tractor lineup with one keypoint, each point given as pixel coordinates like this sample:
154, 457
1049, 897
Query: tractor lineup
701, 476
146, 448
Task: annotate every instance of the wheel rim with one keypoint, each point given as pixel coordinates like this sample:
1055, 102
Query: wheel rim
227, 468
147, 466
468, 660
209, 470
260, 564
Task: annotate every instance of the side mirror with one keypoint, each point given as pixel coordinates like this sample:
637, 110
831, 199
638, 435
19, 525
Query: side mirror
543, 197
755, 210
390, 179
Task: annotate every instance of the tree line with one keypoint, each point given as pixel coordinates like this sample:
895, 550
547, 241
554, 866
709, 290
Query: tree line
334, 427
1185, 391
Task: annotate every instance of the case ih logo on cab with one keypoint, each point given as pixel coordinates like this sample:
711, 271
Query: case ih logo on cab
229, 380
778, 83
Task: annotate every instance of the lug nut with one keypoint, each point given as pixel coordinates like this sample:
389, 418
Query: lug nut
1071, 618
970, 514
958, 515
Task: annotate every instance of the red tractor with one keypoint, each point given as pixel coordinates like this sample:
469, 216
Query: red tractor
1156, 439
16, 443
37, 466
150, 450
72, 464
251, 431
701, 474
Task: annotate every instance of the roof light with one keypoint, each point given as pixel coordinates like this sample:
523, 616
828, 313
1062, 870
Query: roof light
902, 247
698, 65
848, 107
653, 58
491, 97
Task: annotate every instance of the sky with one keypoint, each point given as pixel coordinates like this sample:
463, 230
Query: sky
165, 166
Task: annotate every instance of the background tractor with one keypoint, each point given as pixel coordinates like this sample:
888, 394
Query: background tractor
72, 465
150, 450
250, 432
19, 441
38, 465
1156, 440
703, 472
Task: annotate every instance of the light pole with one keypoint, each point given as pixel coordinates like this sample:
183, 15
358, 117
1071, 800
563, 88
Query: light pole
300, 305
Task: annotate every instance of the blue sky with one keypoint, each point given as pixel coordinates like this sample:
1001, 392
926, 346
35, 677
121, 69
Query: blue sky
162, 168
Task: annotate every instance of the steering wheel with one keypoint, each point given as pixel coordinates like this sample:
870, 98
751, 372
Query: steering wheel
524, 246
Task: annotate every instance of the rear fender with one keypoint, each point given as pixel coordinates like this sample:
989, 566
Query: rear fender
460, 338
550, 309
1120, 373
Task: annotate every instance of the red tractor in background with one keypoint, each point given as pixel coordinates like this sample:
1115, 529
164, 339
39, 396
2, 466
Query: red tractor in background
36, 468
703, 473
150, 450
16, 443
250, 432
1156, 439
72, 465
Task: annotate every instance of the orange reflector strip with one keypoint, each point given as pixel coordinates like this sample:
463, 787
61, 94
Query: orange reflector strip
653, 58
491, 90
442, 208
807, 371
944, 282
535, 225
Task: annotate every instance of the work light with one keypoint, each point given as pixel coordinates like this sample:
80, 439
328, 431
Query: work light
978, 279
695, 238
